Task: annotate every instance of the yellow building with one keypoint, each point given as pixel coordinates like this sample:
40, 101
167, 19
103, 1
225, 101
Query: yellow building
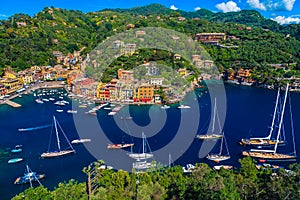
26, 77
143, 93
183, 72
8, 73
12, 84
103, 92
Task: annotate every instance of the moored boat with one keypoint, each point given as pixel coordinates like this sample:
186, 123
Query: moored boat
143, 155
212, 135
165, 107
39, 101
188, 168
119, 146
219, 157
183, 107
112, 113
272, 154
78, 141
17, 149
266, 141
15, 160
72, 111
218, 167
209, 136
59, 151
29, 177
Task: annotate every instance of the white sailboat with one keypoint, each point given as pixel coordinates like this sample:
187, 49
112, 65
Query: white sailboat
212, 135
272, 154
143, 155
59, 151
219, 157
266, 141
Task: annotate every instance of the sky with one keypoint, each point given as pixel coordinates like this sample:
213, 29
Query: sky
282, 11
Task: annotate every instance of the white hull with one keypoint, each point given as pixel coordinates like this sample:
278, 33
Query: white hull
80, 141
217, 158
140, 156
56, 154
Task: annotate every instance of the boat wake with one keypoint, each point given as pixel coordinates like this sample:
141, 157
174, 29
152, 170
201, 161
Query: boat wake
34, 128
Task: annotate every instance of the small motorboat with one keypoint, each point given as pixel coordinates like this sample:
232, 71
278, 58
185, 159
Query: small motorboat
18, 148
78, 141
15, 160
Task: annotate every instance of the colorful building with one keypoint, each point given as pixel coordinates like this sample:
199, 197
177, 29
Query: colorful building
183, 72
125, 75
143, 93
2, 90
210, 38
12, 84
103, 92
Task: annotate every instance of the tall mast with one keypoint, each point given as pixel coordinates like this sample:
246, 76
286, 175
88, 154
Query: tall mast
28, 173
221, 148
143, 137
56, 132
274, 115
214, 117
281, 118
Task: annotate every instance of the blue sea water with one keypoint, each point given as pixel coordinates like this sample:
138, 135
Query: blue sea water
249, 112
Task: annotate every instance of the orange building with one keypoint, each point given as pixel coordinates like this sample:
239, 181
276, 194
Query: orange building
125, 75
210, 38
143, 93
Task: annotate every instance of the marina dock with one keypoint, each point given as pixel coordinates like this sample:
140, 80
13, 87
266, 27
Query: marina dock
13, 104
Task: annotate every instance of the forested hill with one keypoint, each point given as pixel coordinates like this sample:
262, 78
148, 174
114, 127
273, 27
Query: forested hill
27, 41
247, 17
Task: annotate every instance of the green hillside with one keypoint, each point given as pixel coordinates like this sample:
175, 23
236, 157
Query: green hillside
55, 29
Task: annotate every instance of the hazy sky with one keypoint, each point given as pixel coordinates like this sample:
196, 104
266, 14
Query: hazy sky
283, 11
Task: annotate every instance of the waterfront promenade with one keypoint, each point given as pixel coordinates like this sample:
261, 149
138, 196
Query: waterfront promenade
41, 85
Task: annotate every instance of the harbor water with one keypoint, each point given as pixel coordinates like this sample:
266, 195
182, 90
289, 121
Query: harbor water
249, 113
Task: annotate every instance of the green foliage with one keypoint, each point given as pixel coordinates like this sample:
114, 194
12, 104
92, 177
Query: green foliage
171, 183
63, 30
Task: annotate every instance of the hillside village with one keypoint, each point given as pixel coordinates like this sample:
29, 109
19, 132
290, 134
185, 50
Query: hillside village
124, 87
61, 57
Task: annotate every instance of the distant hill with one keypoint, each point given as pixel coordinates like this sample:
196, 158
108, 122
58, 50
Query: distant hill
247, 17
26, 41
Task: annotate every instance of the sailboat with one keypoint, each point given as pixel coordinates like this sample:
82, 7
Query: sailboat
29, 177
212, 135
219, 157
265, 141
143, 155
272, 154
59, 151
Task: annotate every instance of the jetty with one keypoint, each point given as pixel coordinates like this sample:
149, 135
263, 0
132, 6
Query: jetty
12, 104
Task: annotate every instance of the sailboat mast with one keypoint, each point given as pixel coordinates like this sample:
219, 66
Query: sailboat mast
221, 147
28, 172
274, 115
214, 117
281, 118
56, 132
143, 137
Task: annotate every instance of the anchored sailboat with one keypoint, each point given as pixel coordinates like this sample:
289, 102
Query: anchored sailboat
212, 135
273, 154
29, 177
266, 141
143, 155
59, 151
219, 157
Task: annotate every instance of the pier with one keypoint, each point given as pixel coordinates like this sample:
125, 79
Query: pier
13, 104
